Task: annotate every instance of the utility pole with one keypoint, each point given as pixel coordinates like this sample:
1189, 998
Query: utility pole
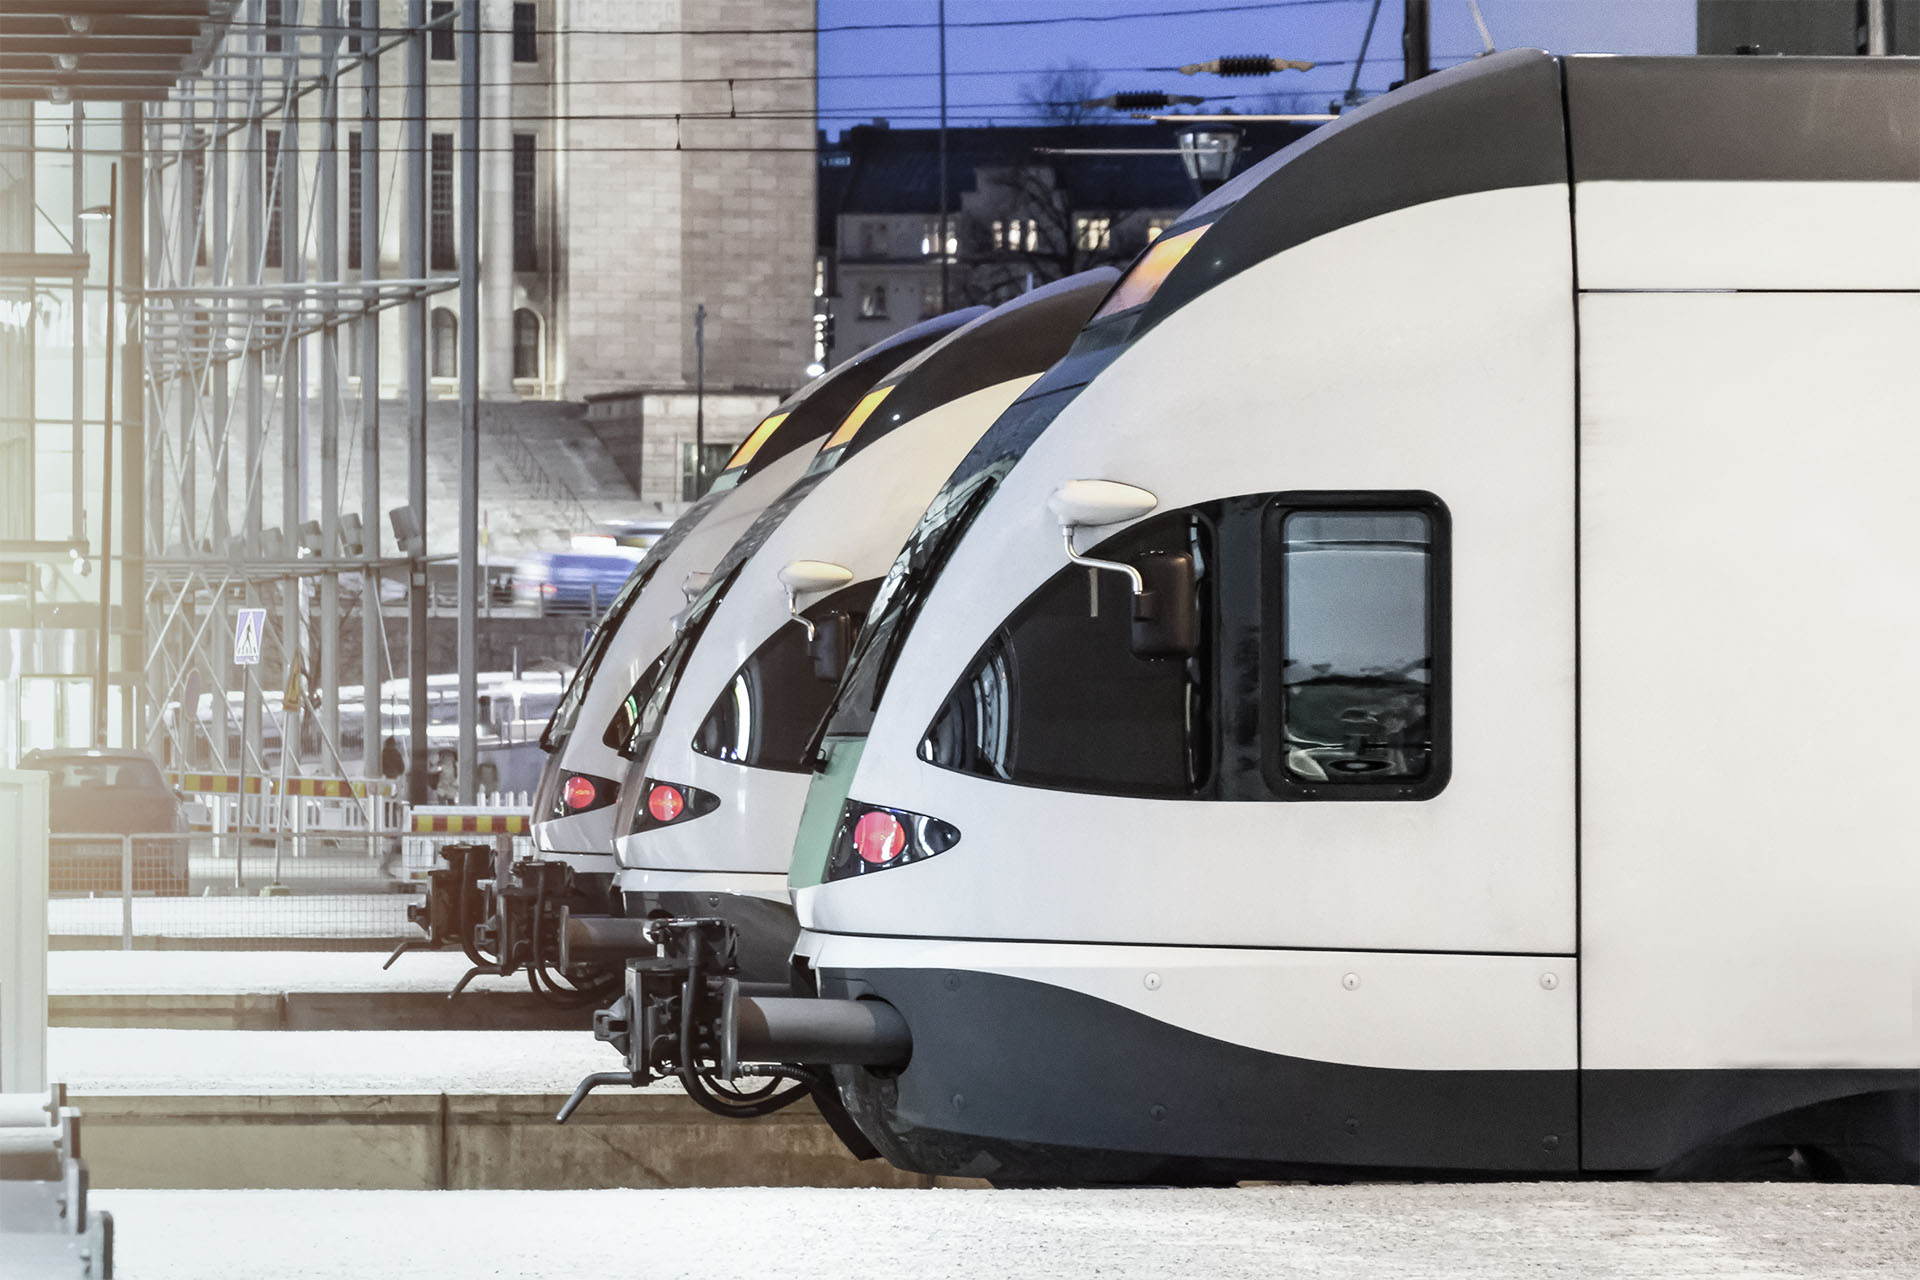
1414, 35
699, 401
469, 574
941, 247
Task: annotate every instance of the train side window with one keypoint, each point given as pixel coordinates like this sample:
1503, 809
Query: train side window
1357, 646
1057, 698
766, 716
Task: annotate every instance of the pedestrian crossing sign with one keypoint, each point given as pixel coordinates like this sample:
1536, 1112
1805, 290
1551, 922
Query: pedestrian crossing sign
248, 627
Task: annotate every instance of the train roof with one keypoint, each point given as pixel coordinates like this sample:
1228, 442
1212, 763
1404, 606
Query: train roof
1528, 118
1020, 337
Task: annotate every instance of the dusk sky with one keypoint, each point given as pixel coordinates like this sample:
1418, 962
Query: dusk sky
892, 73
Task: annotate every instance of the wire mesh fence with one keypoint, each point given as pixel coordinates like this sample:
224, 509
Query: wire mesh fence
320, 890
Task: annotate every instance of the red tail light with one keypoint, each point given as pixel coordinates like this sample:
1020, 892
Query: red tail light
665, 803
878, 837
580, 791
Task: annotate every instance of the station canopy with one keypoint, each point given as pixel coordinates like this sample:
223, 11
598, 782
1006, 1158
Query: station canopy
106, 50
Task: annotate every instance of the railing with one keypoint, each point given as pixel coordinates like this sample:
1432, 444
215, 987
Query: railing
321, 889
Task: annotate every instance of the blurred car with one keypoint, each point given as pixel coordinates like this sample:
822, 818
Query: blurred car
99, 790
575, 581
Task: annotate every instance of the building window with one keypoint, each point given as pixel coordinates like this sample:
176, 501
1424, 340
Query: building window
1092, 233
930, 236
526, 224
873, 303
1362, 624
270, 178
271, 20
1058, 698
354, 201
873, 239
526, 345
356, 15
440, 40
526, 47
1155, 226
445, 359
196, 213
1016, 235
693, 477
440, 231
929, 300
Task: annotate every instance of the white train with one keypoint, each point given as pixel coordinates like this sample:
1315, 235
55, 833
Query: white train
1517, 478
721, 752
518, 920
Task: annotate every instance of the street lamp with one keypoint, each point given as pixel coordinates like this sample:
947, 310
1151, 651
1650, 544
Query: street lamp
1208, 151
105, 213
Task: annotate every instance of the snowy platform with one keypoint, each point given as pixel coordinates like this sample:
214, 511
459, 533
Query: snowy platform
1474, 1232
96, 1061
259, 972
366, 916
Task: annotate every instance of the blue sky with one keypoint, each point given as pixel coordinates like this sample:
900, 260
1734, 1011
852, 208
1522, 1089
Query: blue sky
891, 73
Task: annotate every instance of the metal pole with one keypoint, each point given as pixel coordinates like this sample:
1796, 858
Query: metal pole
1877, 28
327, 200
106, 474
79, 145
218, 374
469, 575
253, 179
415, 326
133, 421
941, 247
699, 401
1414, 36
371, 619
293, 412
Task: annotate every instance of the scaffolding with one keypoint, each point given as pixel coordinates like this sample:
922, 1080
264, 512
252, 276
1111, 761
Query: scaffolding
260, 327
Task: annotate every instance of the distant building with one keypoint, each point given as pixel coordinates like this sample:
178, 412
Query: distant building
1021, 217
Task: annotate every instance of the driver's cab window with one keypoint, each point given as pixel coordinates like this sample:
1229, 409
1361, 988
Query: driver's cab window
1358, 624
1059, 698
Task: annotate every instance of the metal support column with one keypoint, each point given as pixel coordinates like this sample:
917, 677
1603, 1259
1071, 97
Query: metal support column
415, 326
371, 518
327, 235
253, 375
133, 421
293, 410
468, 659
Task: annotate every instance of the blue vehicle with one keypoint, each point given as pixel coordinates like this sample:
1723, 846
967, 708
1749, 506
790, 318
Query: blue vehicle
576, 581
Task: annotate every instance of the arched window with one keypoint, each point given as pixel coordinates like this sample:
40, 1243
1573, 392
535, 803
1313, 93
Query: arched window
526, 344
446, 344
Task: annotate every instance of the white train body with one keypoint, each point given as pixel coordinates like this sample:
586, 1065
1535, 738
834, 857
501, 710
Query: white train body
729, 735
1619, 458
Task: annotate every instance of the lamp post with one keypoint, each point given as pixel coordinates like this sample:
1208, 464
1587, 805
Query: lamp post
1207, 152
97, 213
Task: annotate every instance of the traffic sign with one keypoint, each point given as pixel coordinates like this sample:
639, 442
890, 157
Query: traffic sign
248, 627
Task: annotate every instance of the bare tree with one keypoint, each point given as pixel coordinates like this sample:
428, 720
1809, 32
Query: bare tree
1055, 97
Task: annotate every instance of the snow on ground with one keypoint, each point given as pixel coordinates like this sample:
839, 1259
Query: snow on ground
94, 1060
257, 972
1620, 1231
363, 915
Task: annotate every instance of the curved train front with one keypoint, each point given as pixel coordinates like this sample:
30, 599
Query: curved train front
1321, 727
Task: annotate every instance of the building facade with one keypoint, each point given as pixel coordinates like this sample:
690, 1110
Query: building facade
1027, 204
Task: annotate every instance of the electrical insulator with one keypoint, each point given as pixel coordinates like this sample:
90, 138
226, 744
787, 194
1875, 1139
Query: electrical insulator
1245, 64
1144, 100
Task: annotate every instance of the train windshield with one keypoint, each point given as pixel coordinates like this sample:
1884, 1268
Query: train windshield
901, 592
638, 721
567, 711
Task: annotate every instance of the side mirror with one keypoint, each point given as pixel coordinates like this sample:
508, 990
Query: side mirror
1166, 609
829, 646
807, 577
1090, 503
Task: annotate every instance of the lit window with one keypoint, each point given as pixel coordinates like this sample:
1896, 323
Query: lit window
1092, 233
873, 303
